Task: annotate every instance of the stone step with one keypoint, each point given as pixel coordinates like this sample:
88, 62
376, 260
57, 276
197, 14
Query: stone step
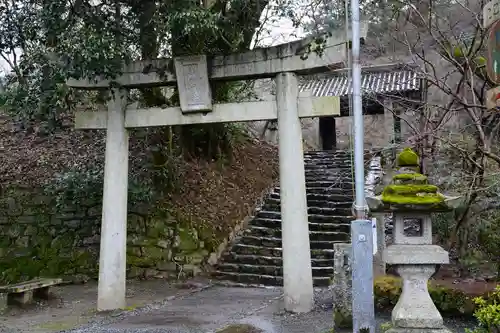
323, 190
328, 160
275, 242
330, 226
335, 177
267, 280
366, 152
339, 219
276, 252
330, 171
260, 241
328, 152
274, 270
329, 236
324, 177
274, 202
312, 218
333, 160
255, 250
323, 174
327, 168
252, 259
329, 204
331, 197
336, 211
327, 157
324, 154
341, 183
343, 198
327, 163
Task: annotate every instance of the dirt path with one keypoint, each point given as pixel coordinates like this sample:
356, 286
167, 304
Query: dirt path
193, 307
219, 307
74, 305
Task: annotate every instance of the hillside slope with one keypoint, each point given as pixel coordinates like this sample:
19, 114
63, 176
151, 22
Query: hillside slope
172, 236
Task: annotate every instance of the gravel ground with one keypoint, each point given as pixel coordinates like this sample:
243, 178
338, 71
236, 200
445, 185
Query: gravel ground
216, 307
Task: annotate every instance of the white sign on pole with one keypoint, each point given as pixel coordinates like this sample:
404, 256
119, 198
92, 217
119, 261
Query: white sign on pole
491, 13
374, 233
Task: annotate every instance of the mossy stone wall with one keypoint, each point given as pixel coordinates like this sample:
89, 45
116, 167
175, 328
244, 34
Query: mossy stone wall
38, 239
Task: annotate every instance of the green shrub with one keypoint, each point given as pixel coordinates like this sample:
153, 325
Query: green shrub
386, 291
80, 186
384, 327
487, 313
489, 240
342, 318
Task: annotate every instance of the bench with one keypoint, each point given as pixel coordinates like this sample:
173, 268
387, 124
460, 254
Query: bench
24, 292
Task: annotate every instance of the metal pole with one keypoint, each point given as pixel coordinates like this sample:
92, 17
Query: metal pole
359, 172
348, 56
363, 310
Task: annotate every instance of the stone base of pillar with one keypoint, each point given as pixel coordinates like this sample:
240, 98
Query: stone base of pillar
342, 286
379, 266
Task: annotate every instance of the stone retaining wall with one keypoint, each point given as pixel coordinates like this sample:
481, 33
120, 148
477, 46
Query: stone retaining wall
36, 239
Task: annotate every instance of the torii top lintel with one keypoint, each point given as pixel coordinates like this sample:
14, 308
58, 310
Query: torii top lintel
253, 64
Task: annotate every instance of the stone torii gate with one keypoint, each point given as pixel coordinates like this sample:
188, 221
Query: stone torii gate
192, 75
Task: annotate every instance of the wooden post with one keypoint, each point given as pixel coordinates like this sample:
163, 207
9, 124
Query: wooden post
297, 272
397, 107
379, 265
112, 261
388, 121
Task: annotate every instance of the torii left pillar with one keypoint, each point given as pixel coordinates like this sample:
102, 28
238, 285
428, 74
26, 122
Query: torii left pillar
112, 260
297, 273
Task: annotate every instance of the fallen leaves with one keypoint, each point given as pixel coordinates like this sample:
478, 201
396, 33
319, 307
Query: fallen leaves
219, 195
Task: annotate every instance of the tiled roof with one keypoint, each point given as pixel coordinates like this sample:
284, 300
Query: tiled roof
371, 82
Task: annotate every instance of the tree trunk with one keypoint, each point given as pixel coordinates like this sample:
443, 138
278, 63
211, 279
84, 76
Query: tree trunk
148, 39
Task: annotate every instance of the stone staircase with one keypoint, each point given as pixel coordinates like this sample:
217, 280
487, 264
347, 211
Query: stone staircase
255, 257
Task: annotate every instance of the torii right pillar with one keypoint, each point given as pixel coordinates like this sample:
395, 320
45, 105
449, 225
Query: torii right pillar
411, 200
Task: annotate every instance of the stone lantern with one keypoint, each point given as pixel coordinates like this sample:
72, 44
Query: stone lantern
411, 200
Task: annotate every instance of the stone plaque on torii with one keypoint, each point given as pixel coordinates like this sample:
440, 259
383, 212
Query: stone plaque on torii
192, 75
192, 80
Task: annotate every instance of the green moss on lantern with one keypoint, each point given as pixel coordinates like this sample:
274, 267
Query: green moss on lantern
410, 189
412, 194
410, 176
407, 158
428, 199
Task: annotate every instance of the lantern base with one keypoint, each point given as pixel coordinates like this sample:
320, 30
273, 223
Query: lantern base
415, 309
